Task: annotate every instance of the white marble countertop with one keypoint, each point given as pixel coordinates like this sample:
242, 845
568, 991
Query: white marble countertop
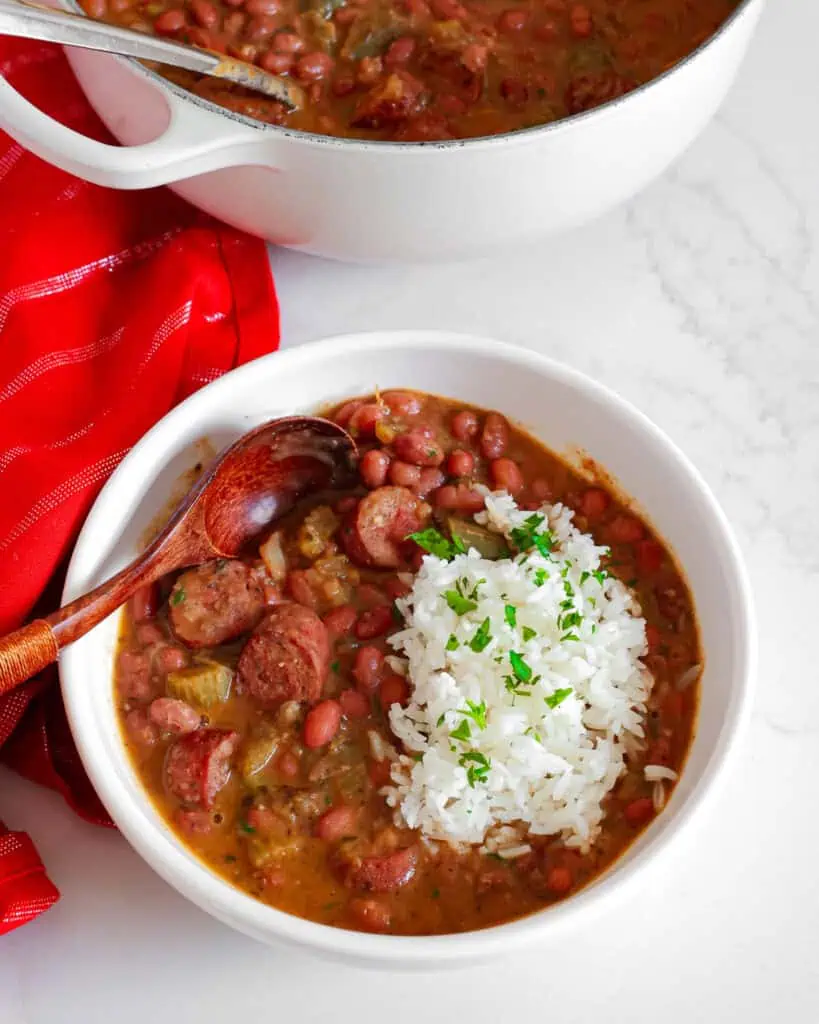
699, 302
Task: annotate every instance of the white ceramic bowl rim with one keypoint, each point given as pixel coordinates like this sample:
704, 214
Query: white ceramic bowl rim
425, 147
231, 905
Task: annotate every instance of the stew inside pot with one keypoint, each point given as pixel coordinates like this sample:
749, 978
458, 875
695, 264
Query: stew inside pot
422, 70
440, 700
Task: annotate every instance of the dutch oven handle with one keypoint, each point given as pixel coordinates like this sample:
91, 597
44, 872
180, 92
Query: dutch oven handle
187, 147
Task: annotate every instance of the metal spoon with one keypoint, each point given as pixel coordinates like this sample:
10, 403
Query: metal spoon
32, 21
253, 483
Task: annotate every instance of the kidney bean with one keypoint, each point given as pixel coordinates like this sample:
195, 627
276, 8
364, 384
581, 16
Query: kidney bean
174, 716
625, 530
474, 57
378, 772
638, 812
289, 42
363, 420
171, 659
369, 70
170, 22
340, 621
96, 8
460, 463
370, 596
261, 27
514, 91
144, 603
402, 474
346, 505
653, 638
512, 20
374, 622
448, 10
337, 823
141, 728
398, 53
321, 723
343, 85
494, 436
288, 765
367, 667
134, 674
580, 20
397, 588
419, 449
649, 556
371, 915
243, 51
148, 634
353, 704
506, 476
559, 881
540, 489
457, 498
310, 68
263, 7
594, 503
234, 23
205, 13
202, 38
465, 425
345, 412
393, 690
430, 480
546, 32
373, 468
298, 586
119, 6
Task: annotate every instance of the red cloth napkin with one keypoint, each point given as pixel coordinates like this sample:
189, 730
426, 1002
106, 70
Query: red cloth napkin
114, 306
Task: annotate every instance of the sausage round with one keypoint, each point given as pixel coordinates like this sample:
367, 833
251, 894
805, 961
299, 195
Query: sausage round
376, 529
215, 602
198, 765
286, 658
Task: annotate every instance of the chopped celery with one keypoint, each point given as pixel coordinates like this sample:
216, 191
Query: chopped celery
202, 684
486, 542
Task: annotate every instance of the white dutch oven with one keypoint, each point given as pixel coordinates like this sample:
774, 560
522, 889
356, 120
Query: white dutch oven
377, 201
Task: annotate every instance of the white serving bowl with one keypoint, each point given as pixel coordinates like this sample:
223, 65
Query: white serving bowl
563, 408
353, 199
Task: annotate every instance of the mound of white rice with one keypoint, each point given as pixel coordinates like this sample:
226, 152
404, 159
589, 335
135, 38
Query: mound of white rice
527, 687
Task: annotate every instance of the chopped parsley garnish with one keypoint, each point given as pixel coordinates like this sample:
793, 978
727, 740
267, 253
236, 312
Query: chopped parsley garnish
477, 712
601, 576
463, 732
452, 644
510, 613
557, 697
436, 893
230, 858
243, 825
540, 577
482, 637
477, 766
441, 719
584, 576
527, 536
418, 757
523, 672
460, 600
435, 543
529, 633
570, 636
569, 620
178, 596
335, 667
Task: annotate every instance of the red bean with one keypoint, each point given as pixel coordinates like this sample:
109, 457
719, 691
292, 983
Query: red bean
506, 476
511, 20
373, 468
638, 812
144, 603
371, 596
458, 498
343, 85
261, 7
396, 588
594, 503
321, 723
170, 22
429, 480
298, 586
289, 42
96, 8
369, 70
559, 881
171, 659
344, 413
649, 556
336, 823
494, 436
626, 530
460, 463
205, 13
134, 675
514, 91
148, 634
474, 57
465, 425
399, 52
448, 10
363, 420
402, 474
339, 621
653, 638
202, 38
378, 772
547, 32
580, 20
174, 716
374, 622
345, 505
288, 765
366, 668
371, 915
277, 63
312, 67
353, 704
393, 690
261, 27
418, 448
234, 23
541, 490
141, 728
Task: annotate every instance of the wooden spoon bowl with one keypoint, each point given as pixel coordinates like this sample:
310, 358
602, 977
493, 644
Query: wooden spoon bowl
251, 485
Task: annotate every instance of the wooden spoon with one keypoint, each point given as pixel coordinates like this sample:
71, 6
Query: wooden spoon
252, 484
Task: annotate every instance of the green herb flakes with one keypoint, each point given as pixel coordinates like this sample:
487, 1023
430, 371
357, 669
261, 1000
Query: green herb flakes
178, 596
335, 667
477, 766
482, 637
452, 644
477, 712
462, 732
529, 633
510, 613
435, 543
556, 698
523, 672
458, 603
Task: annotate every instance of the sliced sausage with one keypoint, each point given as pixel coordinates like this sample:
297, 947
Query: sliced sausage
174, 716
215, 602
382, 874
198, 765
376, 529
134, 675
286, 658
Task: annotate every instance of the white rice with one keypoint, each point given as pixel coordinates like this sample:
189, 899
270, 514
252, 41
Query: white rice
538, 769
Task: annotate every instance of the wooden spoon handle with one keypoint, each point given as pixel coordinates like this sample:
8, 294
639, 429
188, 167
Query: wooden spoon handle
25, 652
